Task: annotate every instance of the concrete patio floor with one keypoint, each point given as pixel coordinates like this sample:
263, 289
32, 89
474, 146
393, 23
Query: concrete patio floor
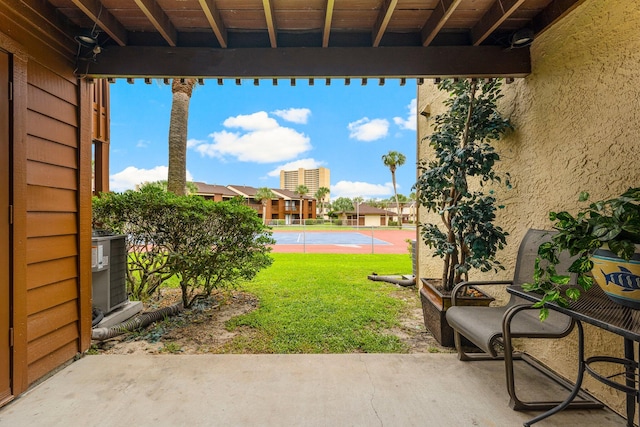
285, 390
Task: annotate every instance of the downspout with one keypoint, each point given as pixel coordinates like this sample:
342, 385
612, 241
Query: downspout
101, 334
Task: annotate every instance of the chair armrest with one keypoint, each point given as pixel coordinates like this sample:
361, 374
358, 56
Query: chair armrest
461, 285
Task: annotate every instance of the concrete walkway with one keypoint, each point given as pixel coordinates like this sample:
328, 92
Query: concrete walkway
284, 390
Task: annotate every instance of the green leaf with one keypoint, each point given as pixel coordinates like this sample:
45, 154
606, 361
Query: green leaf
560, 279
585, 282
573, 293
584, 196
544, 313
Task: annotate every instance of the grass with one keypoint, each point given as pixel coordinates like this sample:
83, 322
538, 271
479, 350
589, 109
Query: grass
323, 303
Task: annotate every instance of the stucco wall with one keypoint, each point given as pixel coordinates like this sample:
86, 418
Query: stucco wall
577, 120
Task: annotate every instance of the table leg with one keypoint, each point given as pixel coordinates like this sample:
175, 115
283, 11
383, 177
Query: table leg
630, 375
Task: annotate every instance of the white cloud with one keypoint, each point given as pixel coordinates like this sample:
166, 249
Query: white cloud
368, 130
131, 176
262, 140
410, 122
294, 115
295, 165
352, 189
192, 142
143, 143
252, 122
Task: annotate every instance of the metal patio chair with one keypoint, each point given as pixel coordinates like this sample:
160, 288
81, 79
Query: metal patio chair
483, 326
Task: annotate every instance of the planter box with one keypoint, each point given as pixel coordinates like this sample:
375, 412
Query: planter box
434, 307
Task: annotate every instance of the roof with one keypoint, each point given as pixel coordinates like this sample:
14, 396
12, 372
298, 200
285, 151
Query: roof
243, 190
365, 209
211, 189
294, 38
288, 194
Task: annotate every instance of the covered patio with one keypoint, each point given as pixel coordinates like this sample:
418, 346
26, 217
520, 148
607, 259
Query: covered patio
287, 390
574, 103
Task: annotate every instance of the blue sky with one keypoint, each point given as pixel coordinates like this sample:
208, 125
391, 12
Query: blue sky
244, 135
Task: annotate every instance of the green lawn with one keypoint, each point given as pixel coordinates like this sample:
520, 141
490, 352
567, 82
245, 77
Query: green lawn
323, 303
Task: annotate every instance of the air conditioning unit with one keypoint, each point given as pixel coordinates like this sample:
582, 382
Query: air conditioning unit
109, 270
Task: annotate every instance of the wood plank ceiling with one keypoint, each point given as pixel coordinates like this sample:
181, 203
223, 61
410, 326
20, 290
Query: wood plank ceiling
302, 38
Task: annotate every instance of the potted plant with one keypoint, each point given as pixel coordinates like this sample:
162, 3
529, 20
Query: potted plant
453, 184
605, 238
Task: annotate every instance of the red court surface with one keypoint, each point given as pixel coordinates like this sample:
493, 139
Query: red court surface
395, 239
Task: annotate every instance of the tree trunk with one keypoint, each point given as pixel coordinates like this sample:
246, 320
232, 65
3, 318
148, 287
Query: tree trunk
395, 192
177, 179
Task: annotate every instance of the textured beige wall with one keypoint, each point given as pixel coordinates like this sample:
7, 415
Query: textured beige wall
577, 119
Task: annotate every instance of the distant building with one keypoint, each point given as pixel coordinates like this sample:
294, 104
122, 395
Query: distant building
313, 179
366, 216
285, 205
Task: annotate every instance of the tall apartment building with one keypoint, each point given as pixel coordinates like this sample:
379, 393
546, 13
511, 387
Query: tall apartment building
310, 178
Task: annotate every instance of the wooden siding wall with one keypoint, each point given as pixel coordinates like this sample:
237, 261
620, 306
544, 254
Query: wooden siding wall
100, 135
52, 220
51, 195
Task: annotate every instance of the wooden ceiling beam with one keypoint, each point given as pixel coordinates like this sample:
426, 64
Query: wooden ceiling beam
554, 11
382, 21
104, 19
499, 11
215, 21
328, 17
334, 62
159, 20
271, 22
437, 19
52, 32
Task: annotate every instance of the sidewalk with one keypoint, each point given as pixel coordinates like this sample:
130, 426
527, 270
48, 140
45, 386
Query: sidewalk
284, 390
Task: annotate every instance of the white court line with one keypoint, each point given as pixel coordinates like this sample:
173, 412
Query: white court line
299, 237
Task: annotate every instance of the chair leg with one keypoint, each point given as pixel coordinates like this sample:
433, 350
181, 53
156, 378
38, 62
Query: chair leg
464, 356
468, 357
519, 405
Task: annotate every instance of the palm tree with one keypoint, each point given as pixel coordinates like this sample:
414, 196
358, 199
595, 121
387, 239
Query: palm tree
177, 180
264, 196
342, 204
301, 190
393, 160
320, 195
356, 201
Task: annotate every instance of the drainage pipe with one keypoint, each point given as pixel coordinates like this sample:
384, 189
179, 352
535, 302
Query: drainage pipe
398, 280
101, 334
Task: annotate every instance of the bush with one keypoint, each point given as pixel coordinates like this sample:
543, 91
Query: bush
206, 244
139, 215
310, 221
393, 223
338, 222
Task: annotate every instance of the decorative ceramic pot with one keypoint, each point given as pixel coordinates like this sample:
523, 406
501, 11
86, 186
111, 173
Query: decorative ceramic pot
619, 279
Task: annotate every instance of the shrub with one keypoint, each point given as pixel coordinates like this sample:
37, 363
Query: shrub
206, 244
139, 215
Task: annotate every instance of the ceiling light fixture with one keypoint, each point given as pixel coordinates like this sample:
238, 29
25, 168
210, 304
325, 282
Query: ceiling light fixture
86, 40
521, 38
